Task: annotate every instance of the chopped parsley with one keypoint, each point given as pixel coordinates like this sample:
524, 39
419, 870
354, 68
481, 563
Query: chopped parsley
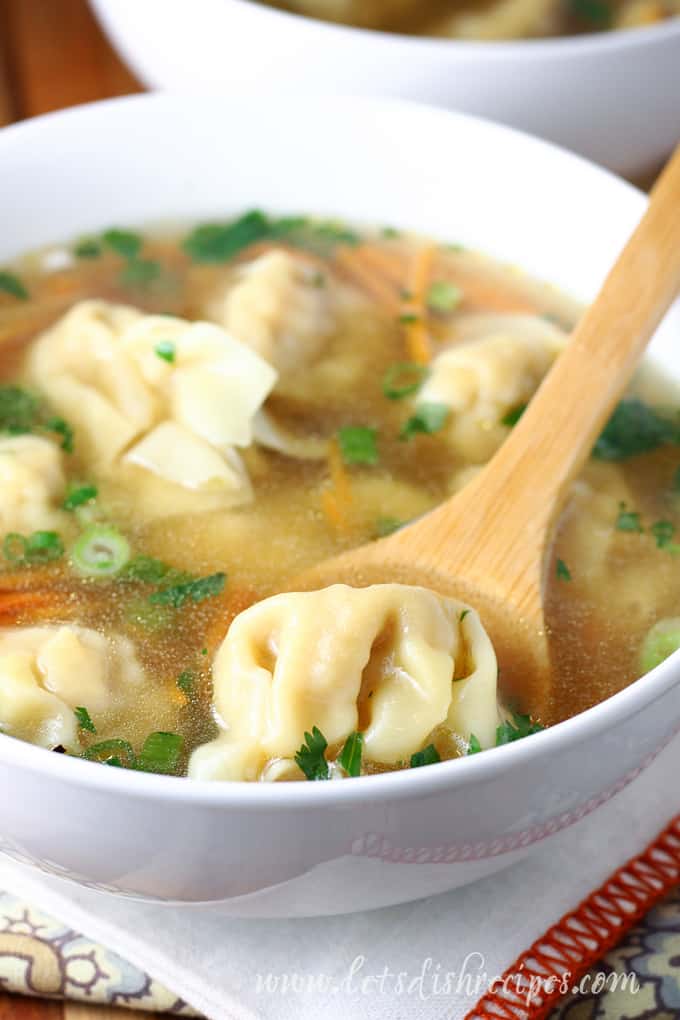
311, 758
117, 752
84, 721
185, 681
19, 410
634, 428
385, 526
176, 595
220, 242
628, 520
78, 495
88, 248
663, 532
428, 419
358, 444
513, 416
408, 318
562, 571
596, 12
444, 297
124, 242
147, 570
140, 272
63, 429
166, 351
474, 746
38, 547
350, 756
12, 285
428, 756
403, 379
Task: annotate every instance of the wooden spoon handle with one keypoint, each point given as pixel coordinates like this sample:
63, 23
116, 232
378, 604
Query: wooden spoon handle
555, 436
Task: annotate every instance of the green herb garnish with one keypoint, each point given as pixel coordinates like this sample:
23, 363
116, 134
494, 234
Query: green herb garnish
189, 591
63, 429
38, 547
663, 532
390, 233
115, 752
84, 720
513, 416
463, 614
19, 410
443, 296
597, 12
358, 444
521, 726
78, 495
185, 681
634, 428
428, 756
161, 752
166, 350
88, 248
124, 242
408, 318
628, 520
350, 756
402, 379
145, 569
12, 285
428, 419
140, 272
219, 242
474, 746
562, 571
311, 758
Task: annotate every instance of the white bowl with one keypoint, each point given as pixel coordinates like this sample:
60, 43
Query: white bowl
308, 848
612, 97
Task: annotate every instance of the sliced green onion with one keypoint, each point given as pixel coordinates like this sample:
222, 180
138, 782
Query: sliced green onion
385, 526
100, 552
78, 495
661, 641
161, 752
358, 444
513, 416
474, 746
350, 756
403, 379
166, 351
628, 520
428, 419
88, 248
63, 429
112, 752
562, 571
84, 720
444, 297
663, 532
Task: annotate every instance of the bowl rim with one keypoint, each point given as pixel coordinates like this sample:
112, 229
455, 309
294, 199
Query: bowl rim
589, 43
398, 785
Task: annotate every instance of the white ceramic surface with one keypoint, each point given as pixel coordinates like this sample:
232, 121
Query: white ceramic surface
323, 847
612, 97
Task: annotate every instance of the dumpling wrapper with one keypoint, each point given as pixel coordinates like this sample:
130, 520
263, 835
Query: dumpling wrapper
32, 484
386, 654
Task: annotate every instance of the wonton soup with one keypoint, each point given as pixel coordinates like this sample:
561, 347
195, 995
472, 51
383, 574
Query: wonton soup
188, 422
487, 19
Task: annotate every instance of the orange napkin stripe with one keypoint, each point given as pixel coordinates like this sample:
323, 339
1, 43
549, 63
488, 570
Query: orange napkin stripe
581, 938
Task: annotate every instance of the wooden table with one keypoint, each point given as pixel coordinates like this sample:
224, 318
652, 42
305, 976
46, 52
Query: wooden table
52, 54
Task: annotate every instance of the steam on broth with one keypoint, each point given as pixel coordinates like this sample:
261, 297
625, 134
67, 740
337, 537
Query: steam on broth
186, 423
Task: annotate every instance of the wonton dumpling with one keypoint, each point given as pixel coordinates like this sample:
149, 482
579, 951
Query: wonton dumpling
79, 365
32, 484
278, 309
498, 364
178, 417
382, 659
46, 672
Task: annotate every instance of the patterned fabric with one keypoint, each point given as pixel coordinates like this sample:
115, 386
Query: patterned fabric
39, 956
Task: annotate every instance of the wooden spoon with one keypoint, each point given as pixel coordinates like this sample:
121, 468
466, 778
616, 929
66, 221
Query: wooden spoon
489, 545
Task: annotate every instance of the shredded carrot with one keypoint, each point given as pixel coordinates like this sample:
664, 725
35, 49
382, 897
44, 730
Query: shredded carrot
417, 338
35, 605
336, 500
354, 264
